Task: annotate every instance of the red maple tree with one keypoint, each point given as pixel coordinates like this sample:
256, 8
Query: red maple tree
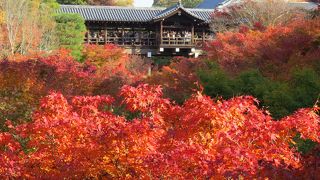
203, 138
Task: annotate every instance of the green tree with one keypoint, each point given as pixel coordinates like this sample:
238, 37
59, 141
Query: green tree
98, 2
306, 83
215, 81
72, 1
70, 30
46, 19
167, 3
279, 97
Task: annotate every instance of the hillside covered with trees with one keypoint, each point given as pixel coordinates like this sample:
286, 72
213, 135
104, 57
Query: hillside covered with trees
246, 109
98, 2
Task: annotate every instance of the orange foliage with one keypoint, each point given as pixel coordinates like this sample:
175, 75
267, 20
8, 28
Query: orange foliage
24, 79
114, 67
179, 80
274, 50
111, 60
200, 139
108, 55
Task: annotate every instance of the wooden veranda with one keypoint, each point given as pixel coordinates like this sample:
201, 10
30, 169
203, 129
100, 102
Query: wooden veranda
155, 31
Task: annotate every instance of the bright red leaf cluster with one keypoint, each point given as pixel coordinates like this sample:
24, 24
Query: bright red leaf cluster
202, 138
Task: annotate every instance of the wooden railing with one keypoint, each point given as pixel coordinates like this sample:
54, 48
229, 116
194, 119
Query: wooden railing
132, 41
122, 41
184, 41
149, 42
177, 41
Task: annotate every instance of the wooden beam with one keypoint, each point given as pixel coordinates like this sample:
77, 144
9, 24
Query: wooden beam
192, 34
88, 36
98, 36
106, 35
161, 31
203, 36
122, 34
149, 35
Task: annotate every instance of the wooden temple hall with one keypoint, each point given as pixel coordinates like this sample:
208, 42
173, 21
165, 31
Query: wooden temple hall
147, 31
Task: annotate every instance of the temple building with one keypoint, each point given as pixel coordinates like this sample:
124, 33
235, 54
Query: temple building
155, 31
147, 31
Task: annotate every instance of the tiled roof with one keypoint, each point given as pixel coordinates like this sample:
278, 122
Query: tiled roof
205, 14
175, 8
111, 13
129, 14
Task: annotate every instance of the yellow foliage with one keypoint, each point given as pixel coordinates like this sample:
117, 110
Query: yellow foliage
124, 2
2, 15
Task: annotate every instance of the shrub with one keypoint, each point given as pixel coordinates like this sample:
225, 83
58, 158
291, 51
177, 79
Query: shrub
306, 83
216, 82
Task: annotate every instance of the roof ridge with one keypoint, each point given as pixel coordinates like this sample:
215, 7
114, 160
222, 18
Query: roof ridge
112, 7
130, 14
130, 7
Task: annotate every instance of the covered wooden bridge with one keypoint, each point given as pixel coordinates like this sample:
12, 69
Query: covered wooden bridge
150, 31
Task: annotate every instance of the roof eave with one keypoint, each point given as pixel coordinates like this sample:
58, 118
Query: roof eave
157, 19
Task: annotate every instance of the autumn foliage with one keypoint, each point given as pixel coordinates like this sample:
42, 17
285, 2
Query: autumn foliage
113, 67
26, 79
274, 50
111, 60
203, 138
179, 79
94, 119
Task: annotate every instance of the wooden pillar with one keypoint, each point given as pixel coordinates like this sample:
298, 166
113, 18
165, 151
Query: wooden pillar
98, 37
133, 40
192, 34
203, 38
88, 36
106, 36
122, 35
149, 37
161, 32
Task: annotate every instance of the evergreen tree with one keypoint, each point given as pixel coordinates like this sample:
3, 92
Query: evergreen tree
70, 30
72, 1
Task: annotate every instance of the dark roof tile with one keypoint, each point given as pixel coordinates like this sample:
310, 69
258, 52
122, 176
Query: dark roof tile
129, 14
